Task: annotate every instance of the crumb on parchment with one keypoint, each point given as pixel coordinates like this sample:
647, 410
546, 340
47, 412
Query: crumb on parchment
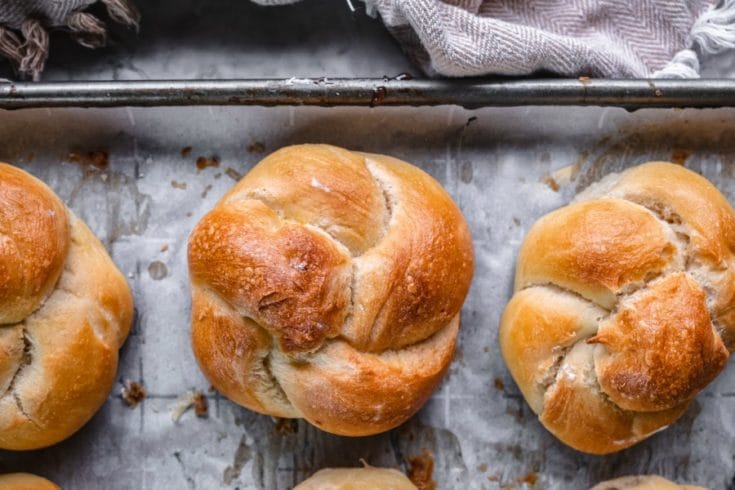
201, 405
233, 174
205, 162
95, 158
256, 147
132, 393
421, 470
550, 182
192, 398
285, 426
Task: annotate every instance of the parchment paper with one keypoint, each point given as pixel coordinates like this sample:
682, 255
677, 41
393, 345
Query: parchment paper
497, 163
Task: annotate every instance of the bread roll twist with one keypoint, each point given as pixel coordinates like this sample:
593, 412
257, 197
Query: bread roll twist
367, 478
25, 481
624, 306
327, 285
643, 482
65, 310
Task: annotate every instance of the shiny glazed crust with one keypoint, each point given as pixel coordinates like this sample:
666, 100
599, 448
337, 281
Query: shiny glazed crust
623, 306
63, 320
25, 481
367, 478
327, 285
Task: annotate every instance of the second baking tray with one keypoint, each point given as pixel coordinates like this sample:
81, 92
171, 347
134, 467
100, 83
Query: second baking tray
504, 166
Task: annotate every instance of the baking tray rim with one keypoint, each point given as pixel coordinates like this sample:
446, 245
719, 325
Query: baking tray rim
372, 92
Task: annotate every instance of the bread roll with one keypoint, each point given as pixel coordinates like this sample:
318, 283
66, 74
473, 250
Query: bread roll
367, 478
644, 482
25, 481
65, 310
624, 306
327, 285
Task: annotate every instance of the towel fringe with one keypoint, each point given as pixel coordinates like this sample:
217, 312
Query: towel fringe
34, 49
28, 50
87, 30
123, 12
714, 30
684, 64
712, 33
11, 46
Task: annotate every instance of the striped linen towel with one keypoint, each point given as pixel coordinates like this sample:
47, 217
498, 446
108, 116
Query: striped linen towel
460, 38
600, 38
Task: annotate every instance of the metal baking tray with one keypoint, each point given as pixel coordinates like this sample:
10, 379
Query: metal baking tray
401, 90
132, 174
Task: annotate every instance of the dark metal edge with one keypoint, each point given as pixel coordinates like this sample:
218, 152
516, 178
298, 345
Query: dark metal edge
469, 93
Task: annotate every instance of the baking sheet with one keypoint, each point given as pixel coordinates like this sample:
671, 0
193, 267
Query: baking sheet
501, 166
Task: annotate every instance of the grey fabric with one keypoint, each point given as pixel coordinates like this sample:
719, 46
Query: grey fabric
24, 39
50, 12
458, 38
599, 38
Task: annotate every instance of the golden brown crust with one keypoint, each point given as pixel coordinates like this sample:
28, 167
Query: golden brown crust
234, 353
414, 281
289, 278
367, 478
610, 332
700, 215
353, 393
610, 243
540, 335
25, 481
660, 348
643, 482
58, 365
576, 413
687, 197
34, 240
324, 186
337, 273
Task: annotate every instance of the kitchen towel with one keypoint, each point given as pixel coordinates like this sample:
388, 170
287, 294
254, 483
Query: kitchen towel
598, 38
24, 36
460, 38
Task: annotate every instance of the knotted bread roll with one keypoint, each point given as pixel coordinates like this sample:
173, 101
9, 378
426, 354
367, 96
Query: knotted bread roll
367, 478
65, 310
624, 306
327, 285
643, 482
25, 481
